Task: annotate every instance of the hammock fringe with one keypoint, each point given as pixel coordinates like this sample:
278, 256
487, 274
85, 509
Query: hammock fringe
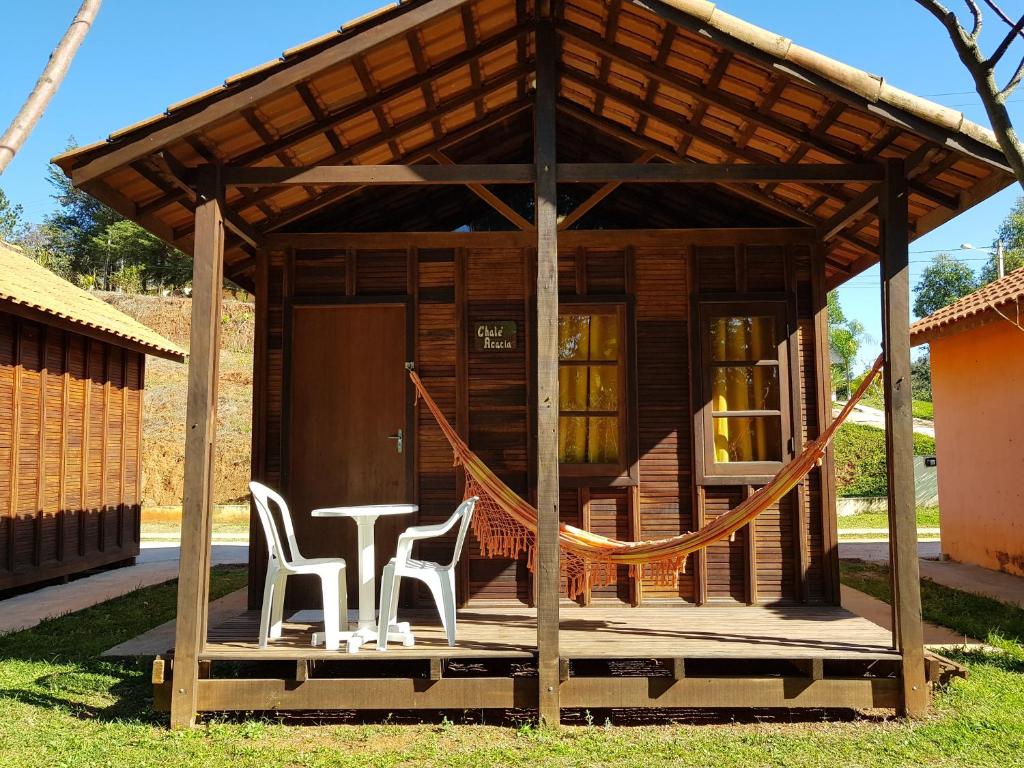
505, 524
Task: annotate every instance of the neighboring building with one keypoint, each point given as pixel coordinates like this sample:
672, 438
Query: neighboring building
977, 354
72, 371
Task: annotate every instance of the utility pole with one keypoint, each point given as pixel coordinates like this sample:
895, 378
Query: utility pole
1000, 262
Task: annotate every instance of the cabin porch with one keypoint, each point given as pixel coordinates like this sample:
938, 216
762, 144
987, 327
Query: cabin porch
715, 656
624, 163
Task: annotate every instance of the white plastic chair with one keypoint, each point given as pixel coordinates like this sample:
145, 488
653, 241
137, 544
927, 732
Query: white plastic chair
290, 562
440, 579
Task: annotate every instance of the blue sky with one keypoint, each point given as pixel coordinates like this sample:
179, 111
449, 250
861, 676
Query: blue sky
142, 56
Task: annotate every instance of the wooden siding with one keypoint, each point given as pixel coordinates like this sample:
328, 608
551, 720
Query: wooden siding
487, 395
70, 439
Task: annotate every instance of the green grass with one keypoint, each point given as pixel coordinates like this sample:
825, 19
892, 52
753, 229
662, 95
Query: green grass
860, 459
922, 409
61, 706
969, 614
927, 517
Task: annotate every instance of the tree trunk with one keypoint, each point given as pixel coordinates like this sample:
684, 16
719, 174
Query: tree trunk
53, 75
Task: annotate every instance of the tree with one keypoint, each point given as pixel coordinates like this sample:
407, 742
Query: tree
921, 376
49, 81
11, 223
982, 68
943, 281
85, 241
845, 337
1011, 232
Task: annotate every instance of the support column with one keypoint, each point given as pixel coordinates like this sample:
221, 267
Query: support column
547, 557
899, 431
197, 505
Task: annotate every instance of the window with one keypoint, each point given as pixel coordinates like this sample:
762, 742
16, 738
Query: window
591, 381
746, 397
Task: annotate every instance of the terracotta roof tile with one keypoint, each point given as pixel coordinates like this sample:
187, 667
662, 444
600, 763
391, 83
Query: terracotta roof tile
976, 306
26, 283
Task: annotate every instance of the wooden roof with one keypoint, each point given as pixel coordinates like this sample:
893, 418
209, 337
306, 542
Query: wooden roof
999, 300
26, 285
451, 80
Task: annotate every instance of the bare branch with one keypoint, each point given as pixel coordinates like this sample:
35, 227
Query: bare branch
949, 20
1011, 86
982, 72
49, 81
1007, 42
999, 12
976, 13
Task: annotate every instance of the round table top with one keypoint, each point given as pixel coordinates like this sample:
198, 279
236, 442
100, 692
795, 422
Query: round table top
366, 510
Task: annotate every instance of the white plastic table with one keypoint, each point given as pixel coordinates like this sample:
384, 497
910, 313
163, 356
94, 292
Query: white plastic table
366, 630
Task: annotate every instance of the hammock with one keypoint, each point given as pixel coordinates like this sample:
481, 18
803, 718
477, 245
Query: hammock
505, 524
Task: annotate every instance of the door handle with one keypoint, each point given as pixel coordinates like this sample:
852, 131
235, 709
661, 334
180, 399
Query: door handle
399, 441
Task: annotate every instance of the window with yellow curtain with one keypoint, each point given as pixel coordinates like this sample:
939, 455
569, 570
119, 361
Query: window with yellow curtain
590, 379
745, 375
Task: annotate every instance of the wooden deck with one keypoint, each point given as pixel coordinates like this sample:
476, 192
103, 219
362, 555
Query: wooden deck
610, 657
614, 632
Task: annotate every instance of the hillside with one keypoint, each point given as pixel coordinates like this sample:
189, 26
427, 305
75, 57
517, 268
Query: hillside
164, 406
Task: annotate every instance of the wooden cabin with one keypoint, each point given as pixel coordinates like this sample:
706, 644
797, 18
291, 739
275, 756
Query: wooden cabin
72, 374
977, 360
602, 233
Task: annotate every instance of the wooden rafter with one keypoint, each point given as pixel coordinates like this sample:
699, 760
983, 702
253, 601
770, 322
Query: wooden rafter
450, 173
722, 100
372, 93
584, 207
489, 197
336, 196
406, 126
196, 120
318, 114
384, 96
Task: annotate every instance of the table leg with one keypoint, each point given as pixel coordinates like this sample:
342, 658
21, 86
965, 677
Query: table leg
367, 575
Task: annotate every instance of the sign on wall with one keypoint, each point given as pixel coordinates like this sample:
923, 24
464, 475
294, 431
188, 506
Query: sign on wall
495, 336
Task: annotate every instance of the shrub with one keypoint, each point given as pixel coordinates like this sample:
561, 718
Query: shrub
860, 459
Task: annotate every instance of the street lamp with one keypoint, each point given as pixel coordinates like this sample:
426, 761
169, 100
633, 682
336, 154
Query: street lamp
1000, 262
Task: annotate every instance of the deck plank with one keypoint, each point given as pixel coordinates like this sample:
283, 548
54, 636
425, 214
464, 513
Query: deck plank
735, 632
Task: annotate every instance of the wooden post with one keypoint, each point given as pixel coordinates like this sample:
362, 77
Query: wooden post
547, 557
194, 566
906, 585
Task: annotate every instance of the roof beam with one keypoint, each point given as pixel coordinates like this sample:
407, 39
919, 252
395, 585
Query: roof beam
490, 198
741, 190
322, 175
395, 132
183, 178
335, 196
890, 114
175, 128
852, 211
708, 96
587, 205
409, 85
723, 173
567, 173
625, 135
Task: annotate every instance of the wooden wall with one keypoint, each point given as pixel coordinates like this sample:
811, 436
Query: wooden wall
70, 436
450, 284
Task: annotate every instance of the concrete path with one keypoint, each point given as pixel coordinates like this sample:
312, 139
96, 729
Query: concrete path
873, 417
877, 550
160, 640
156, 564
880, 613
922, 533
972, 578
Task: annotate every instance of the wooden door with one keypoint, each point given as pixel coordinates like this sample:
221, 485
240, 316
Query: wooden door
347, 397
